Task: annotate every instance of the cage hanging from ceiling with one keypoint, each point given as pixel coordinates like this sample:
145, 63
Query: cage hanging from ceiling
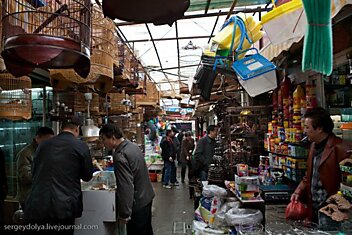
46, 34
15, 97
103, 57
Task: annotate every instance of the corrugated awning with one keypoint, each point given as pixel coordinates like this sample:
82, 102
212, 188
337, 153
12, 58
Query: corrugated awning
272, 51
197, 5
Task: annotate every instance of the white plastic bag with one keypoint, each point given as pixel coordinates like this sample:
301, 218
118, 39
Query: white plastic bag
214, 190
236, 216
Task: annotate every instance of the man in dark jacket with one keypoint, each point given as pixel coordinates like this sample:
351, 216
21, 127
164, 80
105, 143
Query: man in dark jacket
186, 155
3, 188
24, 161
204, 152
134, 190
168, 154
323, 175
58, 166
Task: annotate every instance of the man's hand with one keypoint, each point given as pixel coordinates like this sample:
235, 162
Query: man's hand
124, 221
294, 197
187, 158
171, 159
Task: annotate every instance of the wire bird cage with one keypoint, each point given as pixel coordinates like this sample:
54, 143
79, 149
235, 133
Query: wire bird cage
102, 58
46, 34
15, 97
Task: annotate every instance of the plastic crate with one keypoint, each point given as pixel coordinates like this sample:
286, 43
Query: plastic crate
256, 74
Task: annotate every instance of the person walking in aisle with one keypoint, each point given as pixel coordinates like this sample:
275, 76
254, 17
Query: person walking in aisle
323, 175
59, 164
186, 155
3, 188
204, 152
168, 154
134, 190
24, 161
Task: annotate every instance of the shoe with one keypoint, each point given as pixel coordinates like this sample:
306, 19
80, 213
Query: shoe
175, 184
167, 186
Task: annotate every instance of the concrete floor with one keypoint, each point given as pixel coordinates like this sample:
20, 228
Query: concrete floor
173, 211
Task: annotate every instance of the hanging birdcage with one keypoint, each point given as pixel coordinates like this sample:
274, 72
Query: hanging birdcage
102, 60
113, 102
15, 97
46, 34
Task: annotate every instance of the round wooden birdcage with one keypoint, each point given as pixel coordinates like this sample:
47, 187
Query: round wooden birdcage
46, 34
15, 97
102, 58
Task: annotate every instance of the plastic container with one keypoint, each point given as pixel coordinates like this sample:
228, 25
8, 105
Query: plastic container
291, 15
256, 74
347, 131
298, 95
223, 38
346, 115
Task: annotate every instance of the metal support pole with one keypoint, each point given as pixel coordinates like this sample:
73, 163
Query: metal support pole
44, 106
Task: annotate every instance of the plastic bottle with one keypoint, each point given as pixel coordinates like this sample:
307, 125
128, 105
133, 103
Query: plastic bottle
285, 92
298, 95
311, 100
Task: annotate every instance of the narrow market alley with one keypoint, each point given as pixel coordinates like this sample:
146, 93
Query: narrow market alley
172, 210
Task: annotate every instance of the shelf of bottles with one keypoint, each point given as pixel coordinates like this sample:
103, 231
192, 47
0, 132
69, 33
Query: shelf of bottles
285, 140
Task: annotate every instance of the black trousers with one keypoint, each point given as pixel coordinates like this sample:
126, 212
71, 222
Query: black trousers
141, 222
183, 170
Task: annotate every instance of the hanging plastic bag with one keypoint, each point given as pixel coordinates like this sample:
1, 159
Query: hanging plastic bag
295, 210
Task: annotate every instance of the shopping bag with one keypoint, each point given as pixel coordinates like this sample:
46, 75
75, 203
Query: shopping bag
295, 210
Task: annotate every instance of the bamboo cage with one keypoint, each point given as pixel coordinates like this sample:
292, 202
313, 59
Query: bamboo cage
114, 103
49, 34
15, 97
102, 59
77, 102
152, 97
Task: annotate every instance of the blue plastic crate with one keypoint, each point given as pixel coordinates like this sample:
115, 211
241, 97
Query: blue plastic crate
252, 66
256, 74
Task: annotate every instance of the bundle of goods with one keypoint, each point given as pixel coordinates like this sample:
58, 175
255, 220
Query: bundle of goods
247, 187
335, 212
210, 203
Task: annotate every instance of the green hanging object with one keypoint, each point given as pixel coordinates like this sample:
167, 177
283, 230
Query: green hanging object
317, 49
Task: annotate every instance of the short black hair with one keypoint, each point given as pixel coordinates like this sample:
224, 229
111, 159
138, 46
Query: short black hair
71, 122
320, 118
168, 132
188, 133
43, 131
211, 128
110, 130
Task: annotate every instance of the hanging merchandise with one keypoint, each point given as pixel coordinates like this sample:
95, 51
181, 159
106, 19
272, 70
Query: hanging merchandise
54, 36
290, 14
255, 73
229, 37
317, 50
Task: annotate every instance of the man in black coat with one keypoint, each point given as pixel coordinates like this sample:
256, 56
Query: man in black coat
3, 188
58, 166
168, 154
204, 152
134, 190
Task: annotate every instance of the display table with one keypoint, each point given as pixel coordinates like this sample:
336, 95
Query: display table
99, 215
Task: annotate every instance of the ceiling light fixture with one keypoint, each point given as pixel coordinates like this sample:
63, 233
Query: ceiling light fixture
190, 46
